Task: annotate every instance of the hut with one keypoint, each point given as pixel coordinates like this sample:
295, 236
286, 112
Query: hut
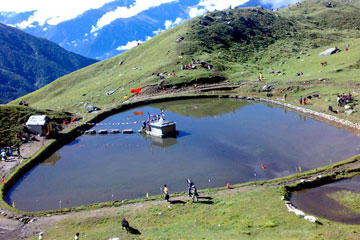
39, 124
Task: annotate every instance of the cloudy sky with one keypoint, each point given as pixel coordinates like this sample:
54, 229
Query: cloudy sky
55, 11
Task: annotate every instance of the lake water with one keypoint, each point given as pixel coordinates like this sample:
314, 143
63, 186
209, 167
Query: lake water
318, 201
220, 141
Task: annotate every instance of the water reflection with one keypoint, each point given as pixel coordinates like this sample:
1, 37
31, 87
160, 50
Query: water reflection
160, 142
219, 141
52, 159
318, 201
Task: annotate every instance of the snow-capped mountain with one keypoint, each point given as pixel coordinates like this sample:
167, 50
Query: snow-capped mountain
104, 31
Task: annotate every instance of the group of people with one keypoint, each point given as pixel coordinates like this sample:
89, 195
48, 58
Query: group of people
8, 152
192, 191
302, 100
343, 99
25, 137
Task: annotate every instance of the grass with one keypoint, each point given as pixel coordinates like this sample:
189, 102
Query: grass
254, 213
251, 214
284, 41
349, 199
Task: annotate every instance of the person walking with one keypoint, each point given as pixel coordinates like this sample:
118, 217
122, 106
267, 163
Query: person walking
304, 101
18, 152
300, 100
190, 184
260, 77
166, 193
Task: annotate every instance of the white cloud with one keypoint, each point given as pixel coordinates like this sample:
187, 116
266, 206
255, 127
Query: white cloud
50, 11
125, 12
156, 32
129, 45
279, 3
211, 5
169, 24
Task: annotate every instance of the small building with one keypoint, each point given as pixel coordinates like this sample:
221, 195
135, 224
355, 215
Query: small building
39, 124
162, 128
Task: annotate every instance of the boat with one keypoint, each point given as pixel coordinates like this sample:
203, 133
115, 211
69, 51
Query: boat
162, 128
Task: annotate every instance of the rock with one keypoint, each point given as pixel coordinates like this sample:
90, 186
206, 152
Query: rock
329, 52
111, 92
310, 219
267, 88
114, 238
91, 108
348, 112
180, 39
347, 107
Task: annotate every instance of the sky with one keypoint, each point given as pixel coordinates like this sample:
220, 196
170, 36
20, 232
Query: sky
55, 11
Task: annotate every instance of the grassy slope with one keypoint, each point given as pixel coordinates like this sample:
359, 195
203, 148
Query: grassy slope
275, 42
251, 214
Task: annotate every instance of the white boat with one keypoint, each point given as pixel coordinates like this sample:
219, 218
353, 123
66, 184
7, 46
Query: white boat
162, 128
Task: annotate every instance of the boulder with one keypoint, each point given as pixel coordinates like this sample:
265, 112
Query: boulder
347, 107
329, 52
267, 88
91, 108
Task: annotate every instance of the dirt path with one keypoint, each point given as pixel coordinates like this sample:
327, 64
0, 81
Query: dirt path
26, 151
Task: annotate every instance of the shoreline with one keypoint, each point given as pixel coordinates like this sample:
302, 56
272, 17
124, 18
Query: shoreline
75, 132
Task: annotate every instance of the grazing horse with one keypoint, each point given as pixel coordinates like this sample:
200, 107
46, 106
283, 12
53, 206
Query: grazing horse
125, 224
323, 63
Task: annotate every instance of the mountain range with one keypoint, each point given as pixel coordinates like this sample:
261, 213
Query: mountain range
232, 46
119, 25
28, 63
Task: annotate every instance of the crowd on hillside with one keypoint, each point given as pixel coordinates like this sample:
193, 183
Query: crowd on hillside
343, 99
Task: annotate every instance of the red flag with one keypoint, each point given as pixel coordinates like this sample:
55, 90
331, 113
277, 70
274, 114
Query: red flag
136, 90
2, 180
64, 122
138, 113
67, 202
263, 167
228, 185
73, 120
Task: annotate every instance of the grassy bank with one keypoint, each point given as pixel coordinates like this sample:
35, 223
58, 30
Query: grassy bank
244, 214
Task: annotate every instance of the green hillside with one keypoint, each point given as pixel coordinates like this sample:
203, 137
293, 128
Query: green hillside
28, 63
238, 43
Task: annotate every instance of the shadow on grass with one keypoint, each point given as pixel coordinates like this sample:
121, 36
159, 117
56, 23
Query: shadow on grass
134, 231
177, 202
207, 198
205, 202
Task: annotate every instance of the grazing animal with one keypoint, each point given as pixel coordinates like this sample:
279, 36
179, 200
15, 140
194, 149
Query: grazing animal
323, 63
125, 224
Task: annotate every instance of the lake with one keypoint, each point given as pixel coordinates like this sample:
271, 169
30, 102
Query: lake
220, 141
